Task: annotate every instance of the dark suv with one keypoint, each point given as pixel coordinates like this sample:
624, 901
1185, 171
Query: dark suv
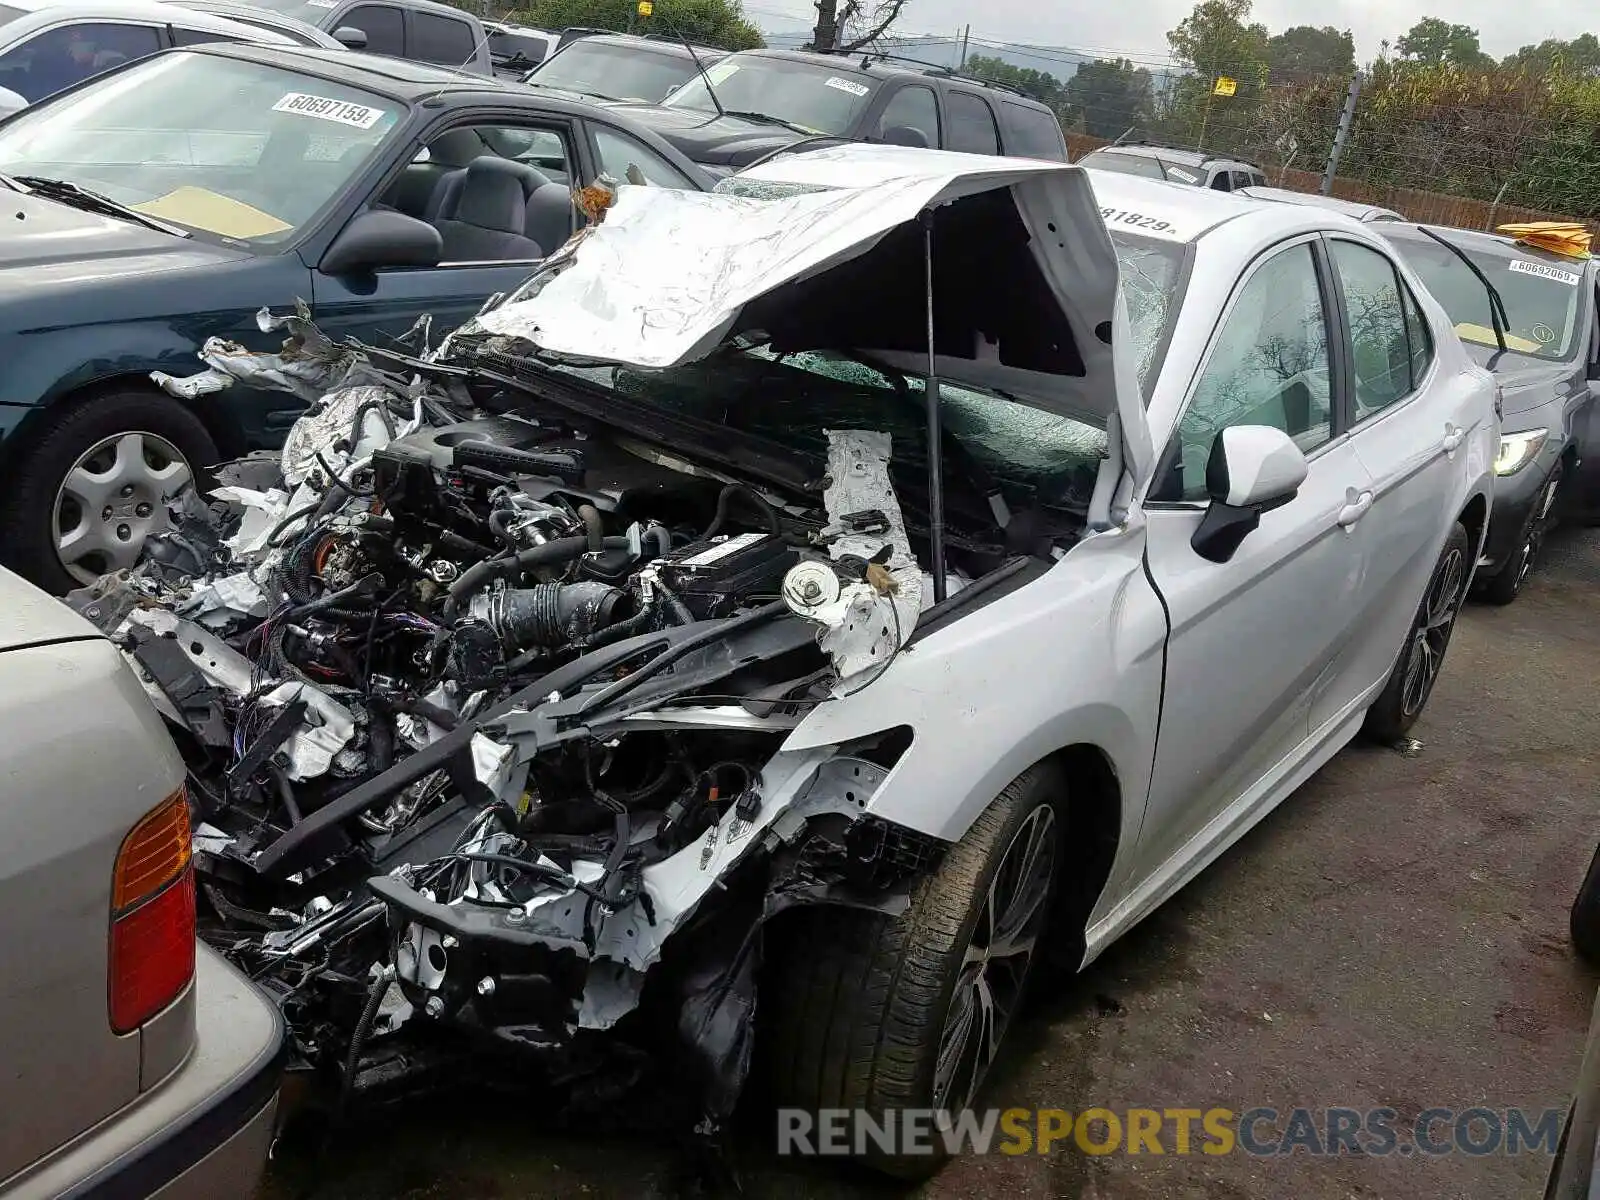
760, 102
1193, 167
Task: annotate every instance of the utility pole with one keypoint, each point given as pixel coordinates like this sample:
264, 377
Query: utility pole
1342, 134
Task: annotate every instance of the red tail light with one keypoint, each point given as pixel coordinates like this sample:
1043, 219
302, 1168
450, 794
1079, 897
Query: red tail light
152, 916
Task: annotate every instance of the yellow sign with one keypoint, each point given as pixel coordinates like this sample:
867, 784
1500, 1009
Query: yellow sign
1225, 86
646, 8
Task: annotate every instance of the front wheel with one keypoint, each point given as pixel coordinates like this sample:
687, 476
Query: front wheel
1416, 671
1507, 585
879, 1015
94, 485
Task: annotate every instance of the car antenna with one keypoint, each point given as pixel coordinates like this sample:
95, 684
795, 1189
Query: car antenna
705, 76
935, 452
1497, 306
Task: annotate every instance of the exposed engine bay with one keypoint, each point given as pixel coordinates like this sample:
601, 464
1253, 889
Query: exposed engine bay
481, 703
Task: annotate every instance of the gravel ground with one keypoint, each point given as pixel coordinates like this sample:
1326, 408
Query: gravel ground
1394, 935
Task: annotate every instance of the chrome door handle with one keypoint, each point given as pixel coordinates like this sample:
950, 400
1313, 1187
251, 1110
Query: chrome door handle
1453, 438
1355, 508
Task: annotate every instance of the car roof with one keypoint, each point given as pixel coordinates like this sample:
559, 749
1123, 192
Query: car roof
670, 46
865, 63
1356, 208
248, 14
1176, 155
1180, 212
399, 78
151, 10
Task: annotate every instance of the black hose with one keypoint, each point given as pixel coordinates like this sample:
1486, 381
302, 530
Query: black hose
478, 576
303, 511
382, 741
498, 522
679, 610
594, 527
358, 1039
362, 409
662, 538
444, 719
724, 503
334, 599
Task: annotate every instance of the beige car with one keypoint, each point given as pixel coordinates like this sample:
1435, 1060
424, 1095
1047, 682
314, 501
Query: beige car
134, 1061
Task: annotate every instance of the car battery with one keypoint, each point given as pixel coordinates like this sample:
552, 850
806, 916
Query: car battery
713, 576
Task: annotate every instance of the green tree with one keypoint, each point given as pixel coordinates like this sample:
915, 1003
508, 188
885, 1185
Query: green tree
1306, 52
1579, 56
1215, 40
1432, 42
1039, 84
1110, 97
704, 22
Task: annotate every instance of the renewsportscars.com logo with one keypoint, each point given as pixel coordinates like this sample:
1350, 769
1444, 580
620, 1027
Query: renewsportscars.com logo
1259, 1132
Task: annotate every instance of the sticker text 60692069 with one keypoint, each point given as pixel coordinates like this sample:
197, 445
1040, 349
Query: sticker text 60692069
1135, 220
357, 116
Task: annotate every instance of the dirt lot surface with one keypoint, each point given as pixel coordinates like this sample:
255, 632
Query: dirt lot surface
1395, 935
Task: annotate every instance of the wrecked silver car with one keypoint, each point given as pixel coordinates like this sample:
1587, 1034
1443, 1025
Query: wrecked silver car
557, 684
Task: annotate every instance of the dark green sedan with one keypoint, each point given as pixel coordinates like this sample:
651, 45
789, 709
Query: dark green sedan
166, 203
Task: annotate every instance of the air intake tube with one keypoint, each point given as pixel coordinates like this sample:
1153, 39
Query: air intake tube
550, 615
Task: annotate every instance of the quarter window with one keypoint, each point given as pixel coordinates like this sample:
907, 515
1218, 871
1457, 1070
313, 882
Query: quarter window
630, 160
1033, 132
971, 124
1268, 366
1380, 333
384, 27
912, 108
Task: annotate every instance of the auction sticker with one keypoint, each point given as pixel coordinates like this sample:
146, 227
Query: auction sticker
1546, 271
1152, 224
357, 116
1180, 173
846, 85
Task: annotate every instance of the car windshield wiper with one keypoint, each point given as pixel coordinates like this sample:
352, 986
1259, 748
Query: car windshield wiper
768, 119
1497, 306
71, 193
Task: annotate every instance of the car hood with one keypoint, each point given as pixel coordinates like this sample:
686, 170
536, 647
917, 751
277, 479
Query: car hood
668, 275
33, 618
1527, 383
709, 138
44, 242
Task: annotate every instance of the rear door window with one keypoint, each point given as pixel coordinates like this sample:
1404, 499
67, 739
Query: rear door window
972, 128
1032, 132
57, 58
384, 26
441, 40
912, 108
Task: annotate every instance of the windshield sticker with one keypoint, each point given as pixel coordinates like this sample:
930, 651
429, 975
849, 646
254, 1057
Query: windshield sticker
322, 3
1123, 218
357, 116
1543, 334
1180, 173
1546, 271
847, 85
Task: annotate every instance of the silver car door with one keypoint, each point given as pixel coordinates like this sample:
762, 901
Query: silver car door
1410, 422
1253, 638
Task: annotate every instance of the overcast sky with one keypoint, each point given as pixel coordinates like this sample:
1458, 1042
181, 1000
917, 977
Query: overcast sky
1140, 29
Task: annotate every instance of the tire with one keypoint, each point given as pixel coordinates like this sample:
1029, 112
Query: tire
1405, 695
862, 1004
1507, 585
1585, 921
173, 446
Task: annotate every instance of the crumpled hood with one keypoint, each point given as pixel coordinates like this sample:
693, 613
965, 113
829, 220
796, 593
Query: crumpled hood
709, 138
1527, 383
667, 274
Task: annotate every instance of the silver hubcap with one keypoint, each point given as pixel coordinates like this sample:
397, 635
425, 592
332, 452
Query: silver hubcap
996, 961
113, 498
1432, 632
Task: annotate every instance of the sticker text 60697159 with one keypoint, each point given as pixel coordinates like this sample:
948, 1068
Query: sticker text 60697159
1135, 220
357, 116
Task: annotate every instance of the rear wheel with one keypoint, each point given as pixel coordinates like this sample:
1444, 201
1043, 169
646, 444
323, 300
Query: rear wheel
881, 1014
1507, 585
1416, 671
93, 486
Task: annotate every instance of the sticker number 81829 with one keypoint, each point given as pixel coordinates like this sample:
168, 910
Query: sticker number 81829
1121, 216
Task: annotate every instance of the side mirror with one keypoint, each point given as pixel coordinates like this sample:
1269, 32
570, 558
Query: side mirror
350, 37
1252, 469
11, 102
904, 135
382, 239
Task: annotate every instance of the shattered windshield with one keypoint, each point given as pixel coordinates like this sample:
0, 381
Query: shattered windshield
810, 96
1151, 272
244, 152
1541, 295
794, 399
